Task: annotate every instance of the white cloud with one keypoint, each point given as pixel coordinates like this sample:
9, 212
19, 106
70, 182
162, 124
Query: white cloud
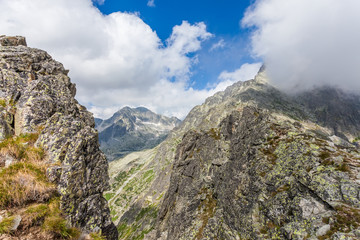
100, 2
115, 59
306, 43
151, 3
218, 45
245, 72
170, 98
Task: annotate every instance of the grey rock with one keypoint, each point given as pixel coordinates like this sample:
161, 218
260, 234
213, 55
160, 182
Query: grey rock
323, 230
16, 223
12, 41
40, 98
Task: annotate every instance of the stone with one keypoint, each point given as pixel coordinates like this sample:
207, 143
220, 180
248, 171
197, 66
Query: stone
16, 223
12, 41
323, 230
311, 207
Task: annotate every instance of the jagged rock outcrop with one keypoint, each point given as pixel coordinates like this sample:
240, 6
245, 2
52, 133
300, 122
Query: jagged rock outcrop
133, 129
258, 176
37, 96
249, 163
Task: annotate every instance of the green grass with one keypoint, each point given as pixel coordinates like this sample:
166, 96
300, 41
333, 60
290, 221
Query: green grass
132, 232
36, 213
122, 176
58, 225
148, 211
108, 196
6, 224
55, 222
97, 236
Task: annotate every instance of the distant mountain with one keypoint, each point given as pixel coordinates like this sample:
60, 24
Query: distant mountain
132, 129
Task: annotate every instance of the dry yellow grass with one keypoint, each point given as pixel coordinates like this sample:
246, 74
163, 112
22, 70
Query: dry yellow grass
21, 183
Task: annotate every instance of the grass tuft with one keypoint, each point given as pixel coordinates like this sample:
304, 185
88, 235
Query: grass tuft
97, 236
22, 147
6, 224
35, 214
21, 183
55, 223
58, 225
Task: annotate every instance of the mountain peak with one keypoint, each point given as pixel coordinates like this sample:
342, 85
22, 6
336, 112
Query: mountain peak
252, 162
133, 129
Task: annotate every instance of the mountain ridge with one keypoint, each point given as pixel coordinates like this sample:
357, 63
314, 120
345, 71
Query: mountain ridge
250, 135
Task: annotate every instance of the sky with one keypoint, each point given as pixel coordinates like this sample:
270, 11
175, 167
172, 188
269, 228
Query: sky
171, 55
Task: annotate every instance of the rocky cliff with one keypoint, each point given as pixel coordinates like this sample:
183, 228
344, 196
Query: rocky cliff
249, 163
52, 171
133, 129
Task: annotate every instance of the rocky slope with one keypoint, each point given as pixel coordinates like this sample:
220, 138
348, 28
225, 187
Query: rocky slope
52, 171
133, 129
249, 163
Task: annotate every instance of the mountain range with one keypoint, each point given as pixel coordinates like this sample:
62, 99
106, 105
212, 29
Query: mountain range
132, 129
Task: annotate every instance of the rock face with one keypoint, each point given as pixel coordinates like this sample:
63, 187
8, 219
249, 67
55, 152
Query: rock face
249, 163
37, 96
132, 129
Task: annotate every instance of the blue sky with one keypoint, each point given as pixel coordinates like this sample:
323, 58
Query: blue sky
172, 55
222, 19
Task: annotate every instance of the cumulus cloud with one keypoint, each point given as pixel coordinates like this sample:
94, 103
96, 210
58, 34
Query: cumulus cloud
306, 43
218, 45
115, 59
170, 98
151, 3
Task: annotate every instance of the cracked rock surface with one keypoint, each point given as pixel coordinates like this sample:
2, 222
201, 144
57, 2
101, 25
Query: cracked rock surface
37, 96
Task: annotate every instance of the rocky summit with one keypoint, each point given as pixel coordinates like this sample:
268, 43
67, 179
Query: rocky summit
250, 163
133, 129
52, 172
